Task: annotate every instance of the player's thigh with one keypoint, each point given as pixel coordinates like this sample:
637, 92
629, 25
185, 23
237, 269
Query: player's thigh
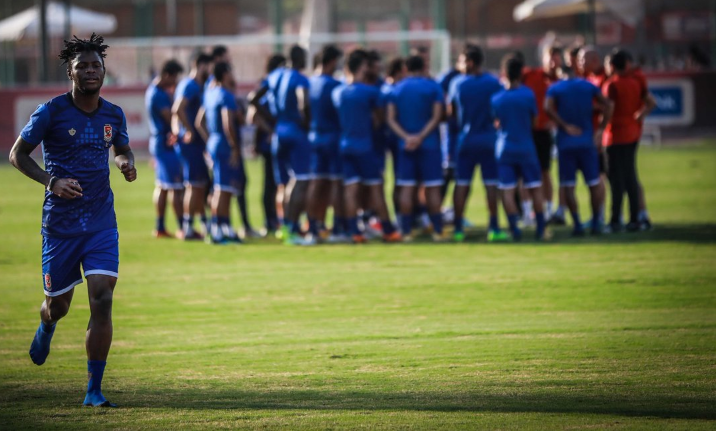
61, 259
507, 174
431, 168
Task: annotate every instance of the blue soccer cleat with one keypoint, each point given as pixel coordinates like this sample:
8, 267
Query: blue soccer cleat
40, 347
96, 399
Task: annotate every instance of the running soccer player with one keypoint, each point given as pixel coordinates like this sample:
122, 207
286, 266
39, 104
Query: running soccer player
515, 109
325, 137
187, 102
628, 91
217, 120
538, 80
469, 102
291, 148
415, 110
169, 175
79, 225
570, 104
359, 113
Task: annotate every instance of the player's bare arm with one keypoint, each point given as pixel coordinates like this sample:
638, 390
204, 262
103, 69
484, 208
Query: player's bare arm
261, 110
304, 106
66, 188
228, 121
180, 117
124, 159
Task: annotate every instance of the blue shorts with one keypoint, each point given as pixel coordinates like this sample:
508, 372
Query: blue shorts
196, 173
325, 156
528, 169
169, 174
228, 178
585, 159
468, 157
422, 166
365, 168
449, 144
292, 154
97, 252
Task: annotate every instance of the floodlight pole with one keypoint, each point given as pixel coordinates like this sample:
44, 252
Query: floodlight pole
592, 19
68, 20
42, 40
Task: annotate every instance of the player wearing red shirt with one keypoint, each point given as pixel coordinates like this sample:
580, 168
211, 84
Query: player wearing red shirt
539, 80
628, 91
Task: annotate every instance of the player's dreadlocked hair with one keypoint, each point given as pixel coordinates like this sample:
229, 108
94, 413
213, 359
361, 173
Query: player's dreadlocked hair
76, 46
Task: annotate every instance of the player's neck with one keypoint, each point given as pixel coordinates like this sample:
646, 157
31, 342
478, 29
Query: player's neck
85, 102
514, 85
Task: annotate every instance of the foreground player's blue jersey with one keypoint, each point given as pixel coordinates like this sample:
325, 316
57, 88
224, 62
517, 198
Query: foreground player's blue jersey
215, 99
516, 110
324, 116
414, 99
472, 96
75, 144
283, 83
156, 101
356, 103
574, 99
189, 89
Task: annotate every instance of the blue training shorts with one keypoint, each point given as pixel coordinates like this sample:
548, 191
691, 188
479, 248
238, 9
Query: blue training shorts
169, 174
468, 158
292, 154
585, 159
365, 168
97, 252
228, 178
196, 173
325, 156
422, 166
528, 169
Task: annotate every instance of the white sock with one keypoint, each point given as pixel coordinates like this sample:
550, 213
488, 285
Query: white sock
527, 208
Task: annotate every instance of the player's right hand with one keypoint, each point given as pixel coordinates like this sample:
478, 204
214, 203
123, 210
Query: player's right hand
67, 188
572, 130
188, 137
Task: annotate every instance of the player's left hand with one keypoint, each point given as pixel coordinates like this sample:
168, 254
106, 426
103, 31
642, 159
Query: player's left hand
572, 130
129, 172
598, 137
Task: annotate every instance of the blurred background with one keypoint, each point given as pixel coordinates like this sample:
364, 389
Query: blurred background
673, 40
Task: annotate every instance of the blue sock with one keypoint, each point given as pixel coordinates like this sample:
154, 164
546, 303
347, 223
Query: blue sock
202, 217
339, 225
40, 347
437, 221
160, 224
314, 227
95, 370
494, 223
459, 224
295, 227
516, 232
214, 221
387, 227
577, 221
541, 224
223, 221
406, 223
353, 226
180, 222
596, 219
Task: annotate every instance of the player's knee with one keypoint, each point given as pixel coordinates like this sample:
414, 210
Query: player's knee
58, 308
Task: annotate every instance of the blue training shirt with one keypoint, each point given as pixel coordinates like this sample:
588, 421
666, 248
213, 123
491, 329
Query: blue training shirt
283, 83
574, 100
356, 103
447, 81
516, 110
156, 101
414, 98
189, 89
75, 144
472, 96
215, 99
324, 116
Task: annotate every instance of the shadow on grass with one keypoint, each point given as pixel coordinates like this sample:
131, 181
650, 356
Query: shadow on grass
566, 400
701, 233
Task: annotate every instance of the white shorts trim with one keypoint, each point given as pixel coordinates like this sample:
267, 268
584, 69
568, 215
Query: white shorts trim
463, 183
406, 183
351, 181
533, 185
65, 290
321, 176
509, 186
491, 182
233, 190
436, 183
372, 182
568, 184
595, 182
169, 186
101, 272
306, 177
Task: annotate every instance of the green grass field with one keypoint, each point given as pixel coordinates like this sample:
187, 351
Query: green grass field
617, 332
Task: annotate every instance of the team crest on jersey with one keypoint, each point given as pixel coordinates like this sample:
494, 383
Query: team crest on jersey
48, 282
108, 133
72, 132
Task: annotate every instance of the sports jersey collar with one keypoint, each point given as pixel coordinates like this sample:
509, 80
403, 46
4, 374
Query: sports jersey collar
100, 102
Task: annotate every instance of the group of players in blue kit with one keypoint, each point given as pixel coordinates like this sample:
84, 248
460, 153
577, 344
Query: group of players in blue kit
326, 141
